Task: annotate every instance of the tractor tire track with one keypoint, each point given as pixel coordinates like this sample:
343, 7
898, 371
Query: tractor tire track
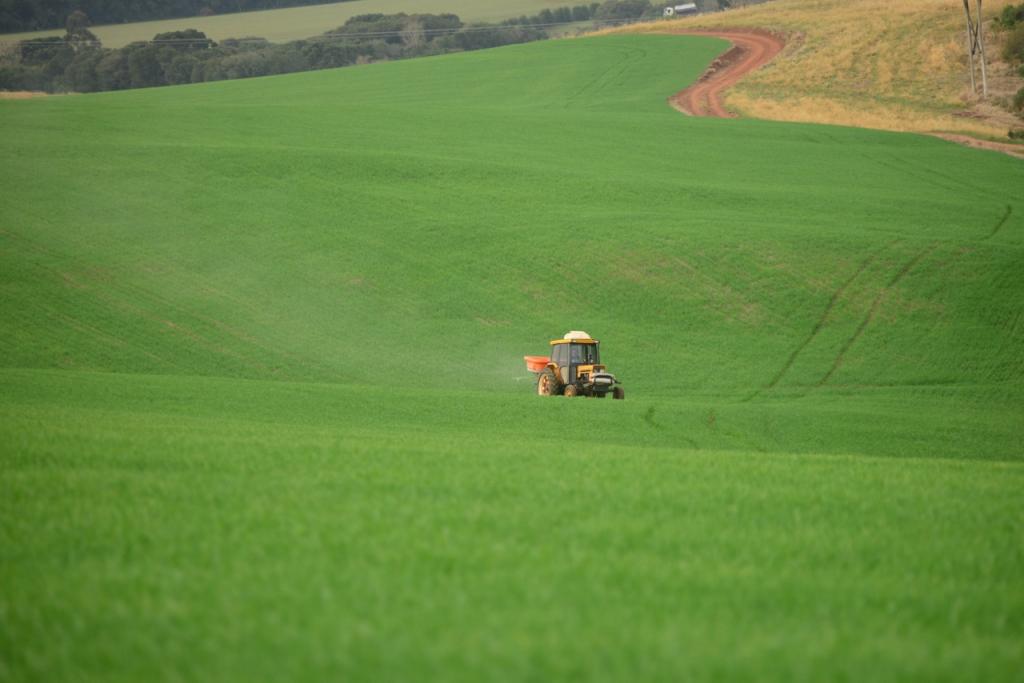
600, 82
900, 274
1001, 223
826, 314
751, 50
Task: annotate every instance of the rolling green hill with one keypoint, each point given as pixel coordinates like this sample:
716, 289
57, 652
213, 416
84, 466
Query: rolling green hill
263, 410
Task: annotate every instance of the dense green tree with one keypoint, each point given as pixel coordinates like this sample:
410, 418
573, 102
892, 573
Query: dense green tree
144, 68
187, 40
179, 70
112, 71
622, 10
330, 54
1011, 16
80, 74
249, 43
77, 21
584, 12
39, 51
21, 77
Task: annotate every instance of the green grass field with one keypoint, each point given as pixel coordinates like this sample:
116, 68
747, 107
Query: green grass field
296, 23
264, 414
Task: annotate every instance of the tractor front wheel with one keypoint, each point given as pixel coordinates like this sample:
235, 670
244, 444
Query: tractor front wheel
547, 385
618, 393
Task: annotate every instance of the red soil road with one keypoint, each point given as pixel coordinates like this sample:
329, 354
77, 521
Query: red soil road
750, 50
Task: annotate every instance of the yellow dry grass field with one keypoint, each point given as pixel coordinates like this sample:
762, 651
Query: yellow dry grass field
887, 64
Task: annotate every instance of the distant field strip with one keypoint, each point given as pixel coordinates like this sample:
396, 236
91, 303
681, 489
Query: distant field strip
295, 23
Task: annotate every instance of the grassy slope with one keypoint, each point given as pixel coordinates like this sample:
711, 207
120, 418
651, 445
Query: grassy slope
264, 411
870, 63
295, 23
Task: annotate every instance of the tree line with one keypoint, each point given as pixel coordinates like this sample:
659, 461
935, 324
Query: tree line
77, 61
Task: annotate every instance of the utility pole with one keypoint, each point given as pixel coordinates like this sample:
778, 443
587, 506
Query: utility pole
981, 51
976, 47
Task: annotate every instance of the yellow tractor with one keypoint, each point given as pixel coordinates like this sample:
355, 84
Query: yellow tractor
574, 369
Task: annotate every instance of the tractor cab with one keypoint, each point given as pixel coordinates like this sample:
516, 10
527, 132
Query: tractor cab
574, 357
574, 368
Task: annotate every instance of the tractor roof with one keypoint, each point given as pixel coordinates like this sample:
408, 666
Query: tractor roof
577, 336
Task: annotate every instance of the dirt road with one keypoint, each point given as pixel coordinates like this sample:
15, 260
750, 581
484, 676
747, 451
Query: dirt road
750, 50
968, 141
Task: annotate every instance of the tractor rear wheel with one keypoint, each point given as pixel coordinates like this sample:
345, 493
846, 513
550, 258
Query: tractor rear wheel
618, 393
547, 385
570, 391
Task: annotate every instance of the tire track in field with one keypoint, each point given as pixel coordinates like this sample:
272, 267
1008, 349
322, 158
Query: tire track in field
1001, 223
630, 56
900, 274
826, 314
907, 168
